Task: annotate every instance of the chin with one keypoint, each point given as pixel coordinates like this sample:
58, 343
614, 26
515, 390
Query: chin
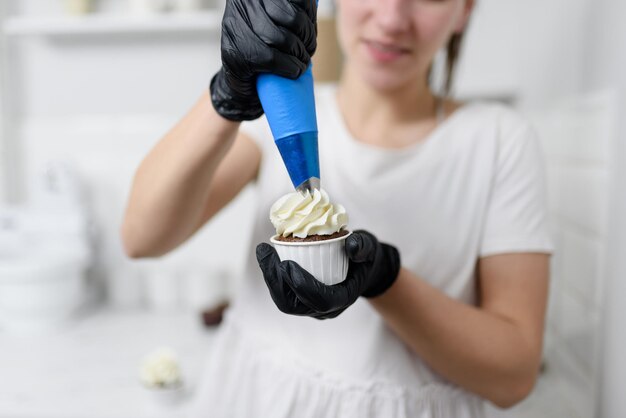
387, 81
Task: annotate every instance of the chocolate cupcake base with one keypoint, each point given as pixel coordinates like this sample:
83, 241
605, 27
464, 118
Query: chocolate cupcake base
312, 238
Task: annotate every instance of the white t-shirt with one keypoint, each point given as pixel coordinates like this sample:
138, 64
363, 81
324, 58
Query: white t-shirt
474, 187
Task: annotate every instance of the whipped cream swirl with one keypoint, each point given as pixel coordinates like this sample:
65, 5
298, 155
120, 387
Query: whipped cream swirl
305, 214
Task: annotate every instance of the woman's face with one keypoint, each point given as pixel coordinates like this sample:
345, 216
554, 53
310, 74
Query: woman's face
390, 43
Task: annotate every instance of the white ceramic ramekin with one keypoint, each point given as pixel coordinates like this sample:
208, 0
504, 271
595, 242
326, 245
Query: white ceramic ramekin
326, 260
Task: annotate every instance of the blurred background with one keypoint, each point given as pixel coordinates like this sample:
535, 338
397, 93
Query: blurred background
87, 87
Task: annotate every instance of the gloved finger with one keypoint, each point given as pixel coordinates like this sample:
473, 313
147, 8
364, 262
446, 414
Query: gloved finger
254, 56
329, 315
286, 40
291, 13
317, 295
286, 65
361, 246
309, 6
290, 301
270, 60
274, 272
299, 19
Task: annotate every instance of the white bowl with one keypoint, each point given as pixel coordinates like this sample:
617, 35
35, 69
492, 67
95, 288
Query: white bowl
326, 260
41, 283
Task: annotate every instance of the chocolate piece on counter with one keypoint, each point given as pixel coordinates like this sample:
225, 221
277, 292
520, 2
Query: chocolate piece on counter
212, 317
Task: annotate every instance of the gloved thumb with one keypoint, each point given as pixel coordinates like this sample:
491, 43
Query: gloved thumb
361, 246
267, 257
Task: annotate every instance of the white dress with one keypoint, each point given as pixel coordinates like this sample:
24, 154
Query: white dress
473, 188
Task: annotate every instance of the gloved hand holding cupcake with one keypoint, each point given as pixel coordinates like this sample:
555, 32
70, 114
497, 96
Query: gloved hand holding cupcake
318, 268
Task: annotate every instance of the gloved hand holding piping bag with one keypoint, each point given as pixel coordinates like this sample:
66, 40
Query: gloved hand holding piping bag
268, 44
266, 50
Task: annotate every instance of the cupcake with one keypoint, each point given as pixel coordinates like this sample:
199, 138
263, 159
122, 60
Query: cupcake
312, 231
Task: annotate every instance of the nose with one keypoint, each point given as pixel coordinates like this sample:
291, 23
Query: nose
392, 15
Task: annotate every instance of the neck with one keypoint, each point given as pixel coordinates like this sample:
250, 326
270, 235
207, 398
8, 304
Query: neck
365, 106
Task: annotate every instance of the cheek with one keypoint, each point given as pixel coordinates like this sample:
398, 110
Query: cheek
350, 18
434, 24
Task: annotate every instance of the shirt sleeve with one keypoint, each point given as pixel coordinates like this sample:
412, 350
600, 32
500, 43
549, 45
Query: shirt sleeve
517, 216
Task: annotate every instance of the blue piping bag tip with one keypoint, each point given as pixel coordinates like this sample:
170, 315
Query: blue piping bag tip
289, 106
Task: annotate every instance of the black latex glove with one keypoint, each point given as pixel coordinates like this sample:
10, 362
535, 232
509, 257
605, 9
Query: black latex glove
373, 267
261, 36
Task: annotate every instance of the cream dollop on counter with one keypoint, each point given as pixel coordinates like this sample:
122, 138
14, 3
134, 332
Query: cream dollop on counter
161, 369
305, 214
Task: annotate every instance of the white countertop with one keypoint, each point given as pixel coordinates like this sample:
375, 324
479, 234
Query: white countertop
91, 369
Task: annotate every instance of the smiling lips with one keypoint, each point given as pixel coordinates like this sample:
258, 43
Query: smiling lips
385, 52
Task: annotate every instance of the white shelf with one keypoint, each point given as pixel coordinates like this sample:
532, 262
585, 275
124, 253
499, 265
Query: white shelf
110, 24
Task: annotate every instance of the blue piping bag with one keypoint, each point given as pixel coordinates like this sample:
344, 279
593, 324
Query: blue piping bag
290, 109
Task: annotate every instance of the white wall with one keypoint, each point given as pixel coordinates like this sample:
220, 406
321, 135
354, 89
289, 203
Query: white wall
528, 50
509, 46
114, 73
3, 151
55, 7
103, 100
3, 127
578, 139
607, 69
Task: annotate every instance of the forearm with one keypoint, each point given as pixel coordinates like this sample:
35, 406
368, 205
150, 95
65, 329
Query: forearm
172, 183
480, 351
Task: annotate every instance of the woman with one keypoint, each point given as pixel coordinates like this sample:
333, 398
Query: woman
452, 267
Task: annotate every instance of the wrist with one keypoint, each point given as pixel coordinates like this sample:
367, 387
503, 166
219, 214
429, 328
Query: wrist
222, 128
204, 132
